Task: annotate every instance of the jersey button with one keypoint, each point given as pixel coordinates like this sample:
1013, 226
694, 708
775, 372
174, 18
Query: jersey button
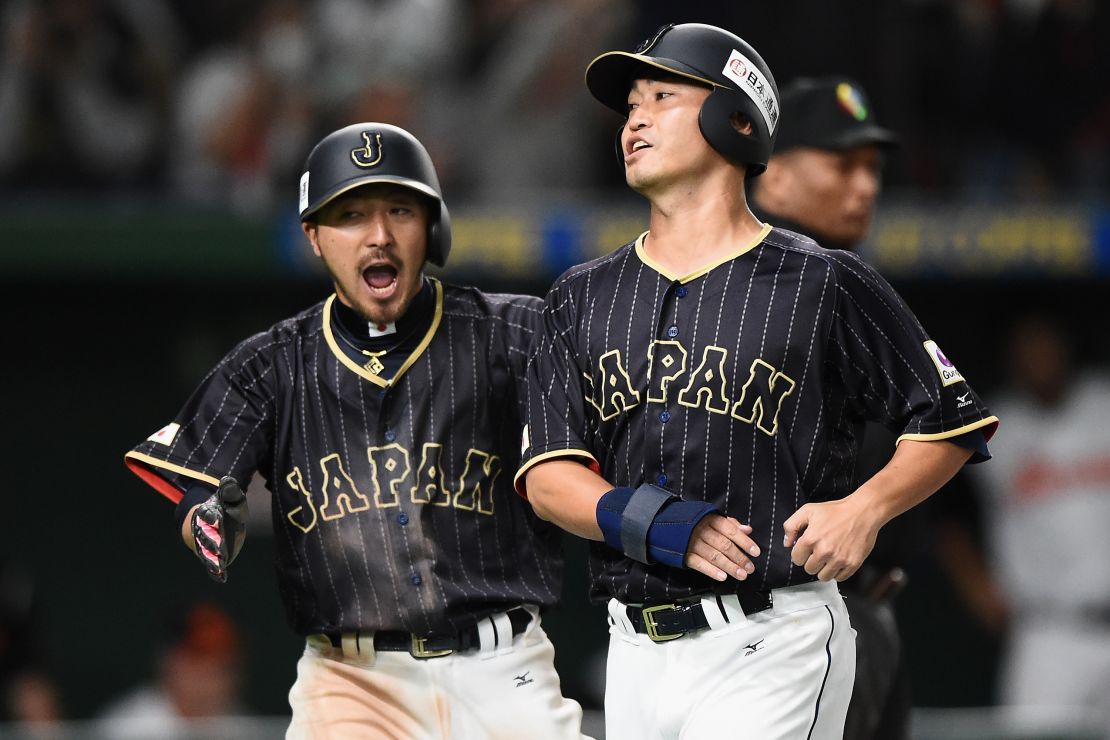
680, 291
403, 518
415, 579
390, 435
661, 480
665, 416
672, 331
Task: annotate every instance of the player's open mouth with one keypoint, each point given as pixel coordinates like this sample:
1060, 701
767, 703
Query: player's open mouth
380, 279
635, 147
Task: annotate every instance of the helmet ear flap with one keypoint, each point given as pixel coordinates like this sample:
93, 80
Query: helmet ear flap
715, 122
439, 237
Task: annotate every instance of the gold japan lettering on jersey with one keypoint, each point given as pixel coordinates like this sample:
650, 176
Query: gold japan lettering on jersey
612, 391
392, 478
614, 385
341, 497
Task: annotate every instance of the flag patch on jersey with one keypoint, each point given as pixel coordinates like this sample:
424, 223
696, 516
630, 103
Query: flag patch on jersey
381, 330
948, 372
165, 435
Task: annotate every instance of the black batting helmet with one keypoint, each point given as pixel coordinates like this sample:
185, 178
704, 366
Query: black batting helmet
740, 79
365, 153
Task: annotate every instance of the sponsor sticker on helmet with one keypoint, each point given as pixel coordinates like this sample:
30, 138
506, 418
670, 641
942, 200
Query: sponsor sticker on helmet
304, 193
744, 73
948, 372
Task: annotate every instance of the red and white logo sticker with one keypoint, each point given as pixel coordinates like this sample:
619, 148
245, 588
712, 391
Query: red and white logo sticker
744, 73
948, 372
165, 435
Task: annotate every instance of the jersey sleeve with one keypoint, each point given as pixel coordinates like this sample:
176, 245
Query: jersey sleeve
894, 373
518, 320
225, 428
555, 413
524, 320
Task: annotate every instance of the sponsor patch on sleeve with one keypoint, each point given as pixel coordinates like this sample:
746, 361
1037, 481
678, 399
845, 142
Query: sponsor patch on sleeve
740, 70
948, 372
165, 435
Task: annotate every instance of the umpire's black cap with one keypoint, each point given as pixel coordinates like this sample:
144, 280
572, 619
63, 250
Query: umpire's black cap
365, 153
829, 113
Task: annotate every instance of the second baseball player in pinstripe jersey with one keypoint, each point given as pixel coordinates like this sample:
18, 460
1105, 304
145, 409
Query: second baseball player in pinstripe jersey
696, 401
743, 384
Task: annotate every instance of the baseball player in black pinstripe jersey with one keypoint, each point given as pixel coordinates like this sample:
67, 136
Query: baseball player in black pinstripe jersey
695, 405
386, 423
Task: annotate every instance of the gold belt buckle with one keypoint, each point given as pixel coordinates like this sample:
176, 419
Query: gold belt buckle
418, 650
653, 628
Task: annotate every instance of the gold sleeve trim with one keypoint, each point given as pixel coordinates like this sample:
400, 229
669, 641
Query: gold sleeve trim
518, 479
990, 420
162, 464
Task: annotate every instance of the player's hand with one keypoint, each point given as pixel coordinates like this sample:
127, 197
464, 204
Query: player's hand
831, 539
720, 547
218, 527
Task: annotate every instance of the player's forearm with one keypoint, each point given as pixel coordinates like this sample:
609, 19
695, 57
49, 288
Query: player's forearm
187, 529
566, 493
915, 472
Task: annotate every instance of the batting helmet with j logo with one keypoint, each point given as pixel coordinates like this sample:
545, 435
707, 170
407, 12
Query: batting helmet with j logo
365, 153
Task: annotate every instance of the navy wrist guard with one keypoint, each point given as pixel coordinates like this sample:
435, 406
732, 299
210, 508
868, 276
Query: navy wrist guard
649, 524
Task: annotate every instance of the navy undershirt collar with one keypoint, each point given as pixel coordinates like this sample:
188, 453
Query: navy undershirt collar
353, 330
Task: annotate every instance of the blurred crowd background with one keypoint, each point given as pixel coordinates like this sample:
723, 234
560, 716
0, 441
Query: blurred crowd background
149, 157
213, 103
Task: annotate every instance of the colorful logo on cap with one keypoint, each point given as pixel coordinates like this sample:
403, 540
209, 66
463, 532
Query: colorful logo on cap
851, 100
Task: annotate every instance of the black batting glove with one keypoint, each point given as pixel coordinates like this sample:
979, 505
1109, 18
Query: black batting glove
219, 527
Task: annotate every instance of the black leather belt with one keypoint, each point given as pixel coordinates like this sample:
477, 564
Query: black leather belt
662, 622
435, 647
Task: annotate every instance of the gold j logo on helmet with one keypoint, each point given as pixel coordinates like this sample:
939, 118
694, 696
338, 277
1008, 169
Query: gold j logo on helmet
369, 155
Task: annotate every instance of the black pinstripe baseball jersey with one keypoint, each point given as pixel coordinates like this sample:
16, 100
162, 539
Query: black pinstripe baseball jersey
393, 506
745, 384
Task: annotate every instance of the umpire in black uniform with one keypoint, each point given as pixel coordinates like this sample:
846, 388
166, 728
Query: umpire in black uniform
823, 181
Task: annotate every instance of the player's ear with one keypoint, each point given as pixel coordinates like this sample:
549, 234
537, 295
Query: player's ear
310, 230
741, 123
